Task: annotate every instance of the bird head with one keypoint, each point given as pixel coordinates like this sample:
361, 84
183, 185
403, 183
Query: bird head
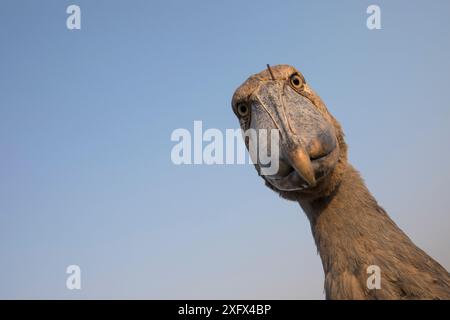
311, 151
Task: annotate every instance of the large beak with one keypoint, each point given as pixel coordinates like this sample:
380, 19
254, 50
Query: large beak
301, 162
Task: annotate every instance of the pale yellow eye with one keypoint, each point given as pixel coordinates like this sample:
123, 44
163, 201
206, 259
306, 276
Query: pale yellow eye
242, 109
296, 81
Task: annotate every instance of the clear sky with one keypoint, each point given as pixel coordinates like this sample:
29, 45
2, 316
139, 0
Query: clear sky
85, 123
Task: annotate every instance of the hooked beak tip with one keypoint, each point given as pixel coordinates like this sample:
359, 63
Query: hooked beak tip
302, 164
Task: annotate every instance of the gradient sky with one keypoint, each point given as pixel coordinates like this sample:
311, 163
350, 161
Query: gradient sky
85, 123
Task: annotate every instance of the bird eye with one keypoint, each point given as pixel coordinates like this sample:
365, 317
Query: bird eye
296, 81
242, 109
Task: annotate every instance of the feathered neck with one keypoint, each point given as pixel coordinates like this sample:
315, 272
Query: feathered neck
352, 232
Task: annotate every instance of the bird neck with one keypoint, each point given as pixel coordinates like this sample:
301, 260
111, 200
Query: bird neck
352, 232
341, 219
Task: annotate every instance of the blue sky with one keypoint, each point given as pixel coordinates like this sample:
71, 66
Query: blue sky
85, 124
